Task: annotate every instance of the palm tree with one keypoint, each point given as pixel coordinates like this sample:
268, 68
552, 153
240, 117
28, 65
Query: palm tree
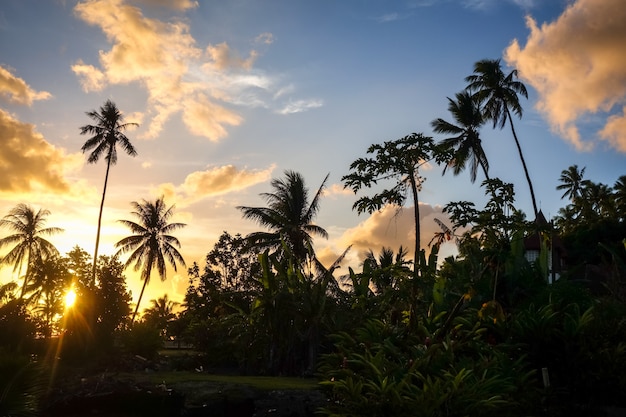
161, 313
30, 245
465, 141
498, 93
151, 245
289, 217
107, 133
572, 182
619, 189
387, 268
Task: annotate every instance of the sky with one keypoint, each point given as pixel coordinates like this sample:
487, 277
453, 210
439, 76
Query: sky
230, 94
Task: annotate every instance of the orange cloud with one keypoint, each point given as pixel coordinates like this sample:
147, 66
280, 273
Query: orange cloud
578, 67
203, 117
212, 182
28, 163
163, 58
172, 4
15, 90
222, 57
391, 227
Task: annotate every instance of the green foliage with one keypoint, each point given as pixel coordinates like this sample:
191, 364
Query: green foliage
398, 164
583, 349
143, 340
381, 370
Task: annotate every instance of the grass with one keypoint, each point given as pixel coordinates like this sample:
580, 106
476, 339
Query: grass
264, 383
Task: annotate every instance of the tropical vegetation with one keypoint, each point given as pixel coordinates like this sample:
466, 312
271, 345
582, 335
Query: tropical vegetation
490, 331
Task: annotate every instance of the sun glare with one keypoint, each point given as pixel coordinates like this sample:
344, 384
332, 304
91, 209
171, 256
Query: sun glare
70, 298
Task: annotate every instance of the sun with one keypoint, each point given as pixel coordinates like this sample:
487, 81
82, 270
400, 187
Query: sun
70, 298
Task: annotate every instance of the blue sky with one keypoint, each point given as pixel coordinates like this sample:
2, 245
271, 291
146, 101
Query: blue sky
231, 94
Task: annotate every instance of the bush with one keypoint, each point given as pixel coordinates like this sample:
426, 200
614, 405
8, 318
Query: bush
143, 340
383, 371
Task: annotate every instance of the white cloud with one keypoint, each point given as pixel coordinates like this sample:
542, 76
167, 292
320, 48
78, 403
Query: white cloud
299, 106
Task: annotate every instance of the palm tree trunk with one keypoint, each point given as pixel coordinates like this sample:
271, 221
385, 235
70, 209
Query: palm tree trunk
145, 282
95, 253
521, 155
27, 274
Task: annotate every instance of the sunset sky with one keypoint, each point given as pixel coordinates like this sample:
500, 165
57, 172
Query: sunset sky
229, 94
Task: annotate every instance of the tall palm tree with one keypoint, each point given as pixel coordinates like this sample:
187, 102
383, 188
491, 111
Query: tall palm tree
151, 245
289, 216
29, 241
499, 95
106, 134
465, 141
572, 182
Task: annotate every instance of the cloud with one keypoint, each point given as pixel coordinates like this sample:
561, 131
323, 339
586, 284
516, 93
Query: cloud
265, 38
299, 106
90, 77
337, 189
389, 17
28, 163
161, 57
578, 67
172, 4
213, 182
204, 118
392, 227
223, 58
15, 90
179, 77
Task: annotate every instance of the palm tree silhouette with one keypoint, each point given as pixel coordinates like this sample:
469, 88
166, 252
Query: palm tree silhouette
107, 133
498, 93
619, 188
572, 182
465, 141
30, 244
161, 312
151, 245
289, 216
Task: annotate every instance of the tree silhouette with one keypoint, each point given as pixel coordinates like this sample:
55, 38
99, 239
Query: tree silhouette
151, 245
398, 161
29, 241
498, 93
107, 133
572, 183
289, 217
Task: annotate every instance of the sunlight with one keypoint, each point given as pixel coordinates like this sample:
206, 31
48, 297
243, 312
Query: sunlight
70, 298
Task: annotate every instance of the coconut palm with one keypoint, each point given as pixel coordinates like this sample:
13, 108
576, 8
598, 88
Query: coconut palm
499, 95
572, 182
465, 141
160, 313
106, 134
387, 268
619, 190
151, 245
289, 217
28, 239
